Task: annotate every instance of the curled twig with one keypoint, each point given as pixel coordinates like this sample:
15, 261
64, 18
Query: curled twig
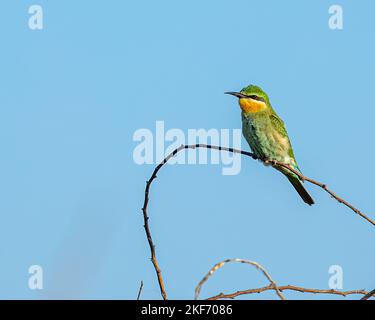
232, 150
146, 200
288, 287
217, 266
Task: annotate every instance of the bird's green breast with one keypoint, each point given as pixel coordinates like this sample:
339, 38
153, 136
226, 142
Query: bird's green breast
265, 140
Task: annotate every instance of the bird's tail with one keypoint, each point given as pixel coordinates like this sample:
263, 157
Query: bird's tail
301, 190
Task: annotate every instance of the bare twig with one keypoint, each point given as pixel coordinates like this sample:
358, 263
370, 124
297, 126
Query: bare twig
232, 150
368, 295
282, 288
325, 188
140, 291
217, 266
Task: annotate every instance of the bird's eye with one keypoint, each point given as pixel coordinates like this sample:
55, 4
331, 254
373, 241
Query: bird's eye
254, 97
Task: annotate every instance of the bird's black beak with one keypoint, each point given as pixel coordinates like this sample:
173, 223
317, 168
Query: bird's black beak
236, 94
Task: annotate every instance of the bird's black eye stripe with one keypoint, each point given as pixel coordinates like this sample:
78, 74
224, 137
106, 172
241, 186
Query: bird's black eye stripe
254, 97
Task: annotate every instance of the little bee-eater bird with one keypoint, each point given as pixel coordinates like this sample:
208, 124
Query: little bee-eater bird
266, 134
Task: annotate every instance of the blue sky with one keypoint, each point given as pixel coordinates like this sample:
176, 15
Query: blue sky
73, 94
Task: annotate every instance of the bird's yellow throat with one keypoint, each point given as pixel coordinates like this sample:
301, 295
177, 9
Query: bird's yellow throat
250, 105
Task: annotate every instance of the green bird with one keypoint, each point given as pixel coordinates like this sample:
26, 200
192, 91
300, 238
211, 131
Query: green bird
266, 134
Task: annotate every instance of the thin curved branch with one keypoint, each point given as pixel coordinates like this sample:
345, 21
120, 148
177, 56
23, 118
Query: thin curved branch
219, 265
146, 201
283, 288
232, 150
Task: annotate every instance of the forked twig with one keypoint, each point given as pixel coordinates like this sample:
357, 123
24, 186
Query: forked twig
219, 265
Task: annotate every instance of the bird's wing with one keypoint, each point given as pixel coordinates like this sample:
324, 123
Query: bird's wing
279, 126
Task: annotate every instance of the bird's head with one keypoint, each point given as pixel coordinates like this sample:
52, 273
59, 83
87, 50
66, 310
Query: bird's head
252, 99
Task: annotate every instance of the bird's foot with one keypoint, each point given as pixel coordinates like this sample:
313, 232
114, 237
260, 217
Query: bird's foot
269, 162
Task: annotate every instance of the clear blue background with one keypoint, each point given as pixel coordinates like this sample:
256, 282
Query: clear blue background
73, 94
